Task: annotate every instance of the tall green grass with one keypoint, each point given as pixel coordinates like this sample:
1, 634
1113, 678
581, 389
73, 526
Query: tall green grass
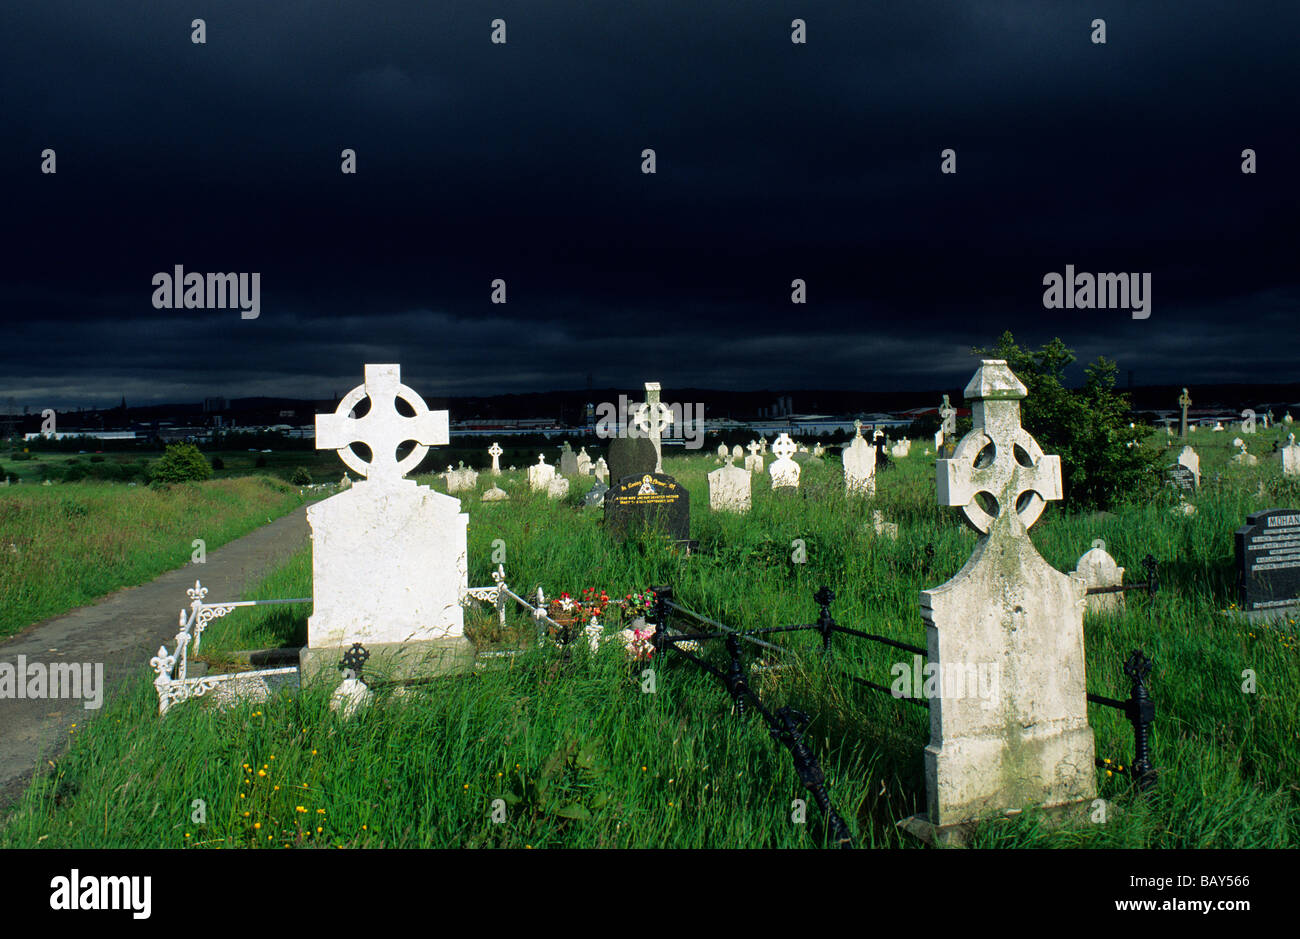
67, 545
581, 756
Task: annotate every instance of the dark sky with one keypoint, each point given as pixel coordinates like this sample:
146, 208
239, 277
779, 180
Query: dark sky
523, 161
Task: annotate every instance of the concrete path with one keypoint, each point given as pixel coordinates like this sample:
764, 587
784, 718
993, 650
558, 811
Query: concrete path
123, 631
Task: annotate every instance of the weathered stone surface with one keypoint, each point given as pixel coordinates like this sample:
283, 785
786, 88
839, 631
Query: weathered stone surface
1291, 457
557, 487
1192, 460
1029, 742
495, 494
729, 488
495, 452
601, 471
568, 461
784, 471
584, 463
859, 465
1098, 569
540, 474
388, 555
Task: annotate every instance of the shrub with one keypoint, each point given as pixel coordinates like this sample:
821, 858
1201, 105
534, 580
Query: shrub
300, 477
1088, 427
180, 462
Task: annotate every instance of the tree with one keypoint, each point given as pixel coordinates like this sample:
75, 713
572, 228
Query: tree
1103, 460
300, 477
180, 462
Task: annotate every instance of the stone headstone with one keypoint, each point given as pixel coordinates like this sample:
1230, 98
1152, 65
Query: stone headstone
495, 494
495, 452
1098, 569
652, 418
882, 458
345, 482
540, 474
601, 471
461, 479
729, 488
859, 465
762, 442
388, 555
1244, 458
1217, 427
1189, 458
631, 456
901, 449
784, 471
1268, 563
736, 454
754, 462
722, 453
1291, 457
883, 528
568, 461
584, 463
596, 494
1027, 740
557, 487
1180, 477
653, 500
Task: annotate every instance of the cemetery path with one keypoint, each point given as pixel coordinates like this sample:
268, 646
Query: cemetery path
122, 631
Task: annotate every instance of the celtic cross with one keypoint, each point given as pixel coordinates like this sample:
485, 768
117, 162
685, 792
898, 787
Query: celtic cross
1185, 401
384, 428
495, 452
998, 459
784, 448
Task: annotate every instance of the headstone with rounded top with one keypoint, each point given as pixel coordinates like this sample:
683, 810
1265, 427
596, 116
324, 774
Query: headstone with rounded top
1098, 569
540, 474
729, 488
784, 470
859, 464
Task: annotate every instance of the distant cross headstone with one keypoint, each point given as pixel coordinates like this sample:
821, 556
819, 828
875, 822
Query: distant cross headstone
653, 418
540, 474
762, 442
388, 555
495, 452
1184, 402
859, 464
1026, 740
784, 471
729, 488
754, 462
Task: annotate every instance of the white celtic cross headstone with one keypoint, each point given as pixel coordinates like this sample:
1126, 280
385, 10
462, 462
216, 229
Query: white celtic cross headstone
1025, 741
388, 555
495, 452
652, 418
784, 471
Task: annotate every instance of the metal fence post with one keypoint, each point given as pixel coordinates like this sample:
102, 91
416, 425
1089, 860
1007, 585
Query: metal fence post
1141, 711
736, 683
1152, 569
662, 596
825, 623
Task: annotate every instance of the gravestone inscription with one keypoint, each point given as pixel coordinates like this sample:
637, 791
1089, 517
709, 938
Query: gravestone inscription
1268, 562
654, 500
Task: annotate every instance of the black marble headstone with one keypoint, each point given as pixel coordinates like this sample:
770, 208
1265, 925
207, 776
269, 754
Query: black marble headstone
649, 500
630, 456
1181, 477
1268, 561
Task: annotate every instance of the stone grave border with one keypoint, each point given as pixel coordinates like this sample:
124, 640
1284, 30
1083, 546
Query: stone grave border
787, 724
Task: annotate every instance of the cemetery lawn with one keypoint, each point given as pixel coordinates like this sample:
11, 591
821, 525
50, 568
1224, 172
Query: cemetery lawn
66, 545
580, 756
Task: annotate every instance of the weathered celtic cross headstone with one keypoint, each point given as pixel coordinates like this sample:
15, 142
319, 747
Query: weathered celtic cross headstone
653, 418
1026, 740
784, 471
495, 452
1185, 402
388, 555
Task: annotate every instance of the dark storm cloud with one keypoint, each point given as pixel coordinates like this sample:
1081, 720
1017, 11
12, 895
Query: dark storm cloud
522, 162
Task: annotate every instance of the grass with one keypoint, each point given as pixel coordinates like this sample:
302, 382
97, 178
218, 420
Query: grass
579, 755
64, 546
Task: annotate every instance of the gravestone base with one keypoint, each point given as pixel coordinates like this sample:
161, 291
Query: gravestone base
958, 834
1264, 616
391, 661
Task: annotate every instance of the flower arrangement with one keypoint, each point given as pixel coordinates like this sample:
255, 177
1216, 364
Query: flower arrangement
593, 610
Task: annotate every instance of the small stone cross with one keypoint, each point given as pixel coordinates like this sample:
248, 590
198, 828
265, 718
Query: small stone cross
753, 448
998, 458
384, 428
857, 427
495, 452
